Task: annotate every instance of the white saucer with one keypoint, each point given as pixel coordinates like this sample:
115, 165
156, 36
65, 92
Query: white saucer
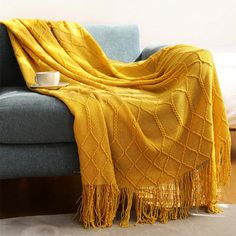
61, 84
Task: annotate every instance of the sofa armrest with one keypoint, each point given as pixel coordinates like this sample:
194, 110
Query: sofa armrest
148, 51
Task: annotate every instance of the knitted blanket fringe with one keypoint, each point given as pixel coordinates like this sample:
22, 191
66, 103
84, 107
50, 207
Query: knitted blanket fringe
100, 205
151, 135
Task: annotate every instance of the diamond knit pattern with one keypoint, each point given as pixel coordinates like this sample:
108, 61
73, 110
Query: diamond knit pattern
137, 125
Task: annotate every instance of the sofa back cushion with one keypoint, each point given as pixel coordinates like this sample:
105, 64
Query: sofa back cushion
119, 42
10, 74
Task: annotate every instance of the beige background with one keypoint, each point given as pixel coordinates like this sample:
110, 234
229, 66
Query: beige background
206, 23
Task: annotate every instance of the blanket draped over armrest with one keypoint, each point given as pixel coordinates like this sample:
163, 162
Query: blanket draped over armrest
152, 134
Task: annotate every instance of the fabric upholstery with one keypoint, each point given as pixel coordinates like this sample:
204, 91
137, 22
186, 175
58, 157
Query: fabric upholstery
38, 160
29, 117
10, 73
119, 42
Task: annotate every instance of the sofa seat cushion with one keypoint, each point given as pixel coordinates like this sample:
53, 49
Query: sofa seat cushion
29, 117
38, 160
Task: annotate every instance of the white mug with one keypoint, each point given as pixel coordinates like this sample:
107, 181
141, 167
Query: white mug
47, 78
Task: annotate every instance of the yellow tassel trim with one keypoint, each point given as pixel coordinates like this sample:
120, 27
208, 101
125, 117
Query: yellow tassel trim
100, 204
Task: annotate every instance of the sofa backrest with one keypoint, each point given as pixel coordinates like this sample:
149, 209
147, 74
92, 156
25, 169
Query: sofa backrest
119, 42
10, 74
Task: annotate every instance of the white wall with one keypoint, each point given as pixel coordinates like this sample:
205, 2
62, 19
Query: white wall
206, 23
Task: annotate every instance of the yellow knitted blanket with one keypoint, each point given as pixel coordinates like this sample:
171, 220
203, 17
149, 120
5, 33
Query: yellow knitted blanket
151, 135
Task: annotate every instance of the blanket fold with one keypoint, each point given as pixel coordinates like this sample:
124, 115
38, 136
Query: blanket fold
151, 135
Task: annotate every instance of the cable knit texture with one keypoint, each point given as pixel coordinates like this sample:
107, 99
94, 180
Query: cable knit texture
151, 134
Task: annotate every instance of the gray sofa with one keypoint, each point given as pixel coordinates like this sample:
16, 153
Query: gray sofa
36, 134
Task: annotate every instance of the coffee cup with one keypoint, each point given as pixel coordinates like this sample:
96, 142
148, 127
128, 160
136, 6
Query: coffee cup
47, 78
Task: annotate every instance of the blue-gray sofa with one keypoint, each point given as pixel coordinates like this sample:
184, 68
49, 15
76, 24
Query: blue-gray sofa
36, 134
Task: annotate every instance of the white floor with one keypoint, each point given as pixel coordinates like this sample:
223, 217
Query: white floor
198, 224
